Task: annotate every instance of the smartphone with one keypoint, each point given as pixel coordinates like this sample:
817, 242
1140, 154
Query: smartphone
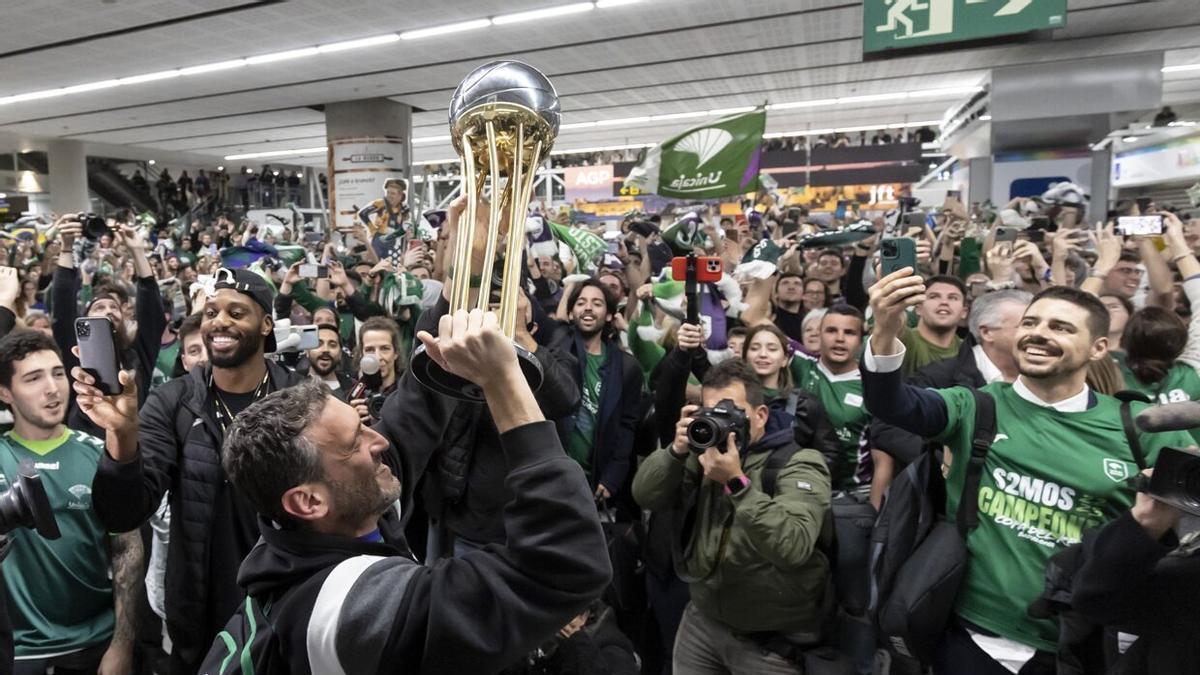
643, 227
97, 342
708, 269
840, 212
1036, 236
314, 237
1006, 234
914, 219
897, 253
311, 271
308, 337
790, 227
1139, 225
614, 246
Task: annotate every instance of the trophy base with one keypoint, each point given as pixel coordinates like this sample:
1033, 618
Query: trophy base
434, 377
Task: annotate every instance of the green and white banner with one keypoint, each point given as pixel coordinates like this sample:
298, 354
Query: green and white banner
716, 159
586, 246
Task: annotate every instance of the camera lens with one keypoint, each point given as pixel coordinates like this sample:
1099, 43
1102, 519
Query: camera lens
83, 330
1188, 479
94, 226
702, 433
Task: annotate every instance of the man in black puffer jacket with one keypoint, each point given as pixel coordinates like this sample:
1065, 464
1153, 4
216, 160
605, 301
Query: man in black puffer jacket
176, 446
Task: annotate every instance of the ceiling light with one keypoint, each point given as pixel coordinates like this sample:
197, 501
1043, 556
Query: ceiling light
282, 56
35, 95
149, 77
870, 98
428, 162
605, 4
361, 42
152, 162
211, 67
90, 86
576, 125
803, 104
1129, 139
1181, 68
604, 148
546, 13
277, 153
220, 168
985, 118
443, 30
431, 139
275, 172
945, 91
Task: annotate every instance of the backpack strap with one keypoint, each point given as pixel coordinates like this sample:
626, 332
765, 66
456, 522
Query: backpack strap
793, 400
981, 443
1127, 397
778, 459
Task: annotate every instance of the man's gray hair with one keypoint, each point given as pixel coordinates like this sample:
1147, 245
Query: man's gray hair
985, 311
266, 452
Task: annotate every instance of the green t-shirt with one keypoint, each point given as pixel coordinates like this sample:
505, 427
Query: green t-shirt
1048, 477
164, 365
920, 352
583, 436
60, 597
1182, 383
842, 398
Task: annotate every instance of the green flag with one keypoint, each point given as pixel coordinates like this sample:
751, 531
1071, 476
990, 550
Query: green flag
685, 233
586, 246
717, 159
761, 261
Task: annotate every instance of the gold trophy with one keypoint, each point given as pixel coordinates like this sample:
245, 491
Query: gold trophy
504, 117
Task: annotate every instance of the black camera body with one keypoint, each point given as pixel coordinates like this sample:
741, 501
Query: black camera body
94, 226
1176, 480
711, 426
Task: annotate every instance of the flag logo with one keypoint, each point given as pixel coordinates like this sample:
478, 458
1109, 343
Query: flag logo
1116, 470
704, 144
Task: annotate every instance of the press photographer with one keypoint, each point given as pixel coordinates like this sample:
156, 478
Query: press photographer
1141, 572
754, 556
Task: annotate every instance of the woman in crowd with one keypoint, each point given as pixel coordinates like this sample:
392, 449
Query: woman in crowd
767, 351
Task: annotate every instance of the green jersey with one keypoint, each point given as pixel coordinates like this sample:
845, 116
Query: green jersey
920, 352
583, 436
1048, 477
164, 365
1182, 383
842, 398
60, 596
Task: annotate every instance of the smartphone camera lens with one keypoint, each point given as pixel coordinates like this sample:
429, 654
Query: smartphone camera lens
888, 248
83, 330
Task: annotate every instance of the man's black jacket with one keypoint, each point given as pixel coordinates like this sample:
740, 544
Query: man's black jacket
958, 371
451, 447
351, 606
179, 449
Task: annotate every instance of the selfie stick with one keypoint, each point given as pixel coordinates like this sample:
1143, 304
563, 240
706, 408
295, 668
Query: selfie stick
690, 291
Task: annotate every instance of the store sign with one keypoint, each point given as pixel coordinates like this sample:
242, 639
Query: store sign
618, 208
1175, 161
358, 169
589, 183
899, 24
867, 197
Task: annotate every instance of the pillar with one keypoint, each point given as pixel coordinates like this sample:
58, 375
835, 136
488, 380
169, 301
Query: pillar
369, 143
67, 166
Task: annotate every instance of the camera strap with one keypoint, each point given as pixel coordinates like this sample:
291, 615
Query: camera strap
1131, 435
981, 442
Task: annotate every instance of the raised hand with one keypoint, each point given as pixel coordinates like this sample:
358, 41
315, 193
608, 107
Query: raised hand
891, 297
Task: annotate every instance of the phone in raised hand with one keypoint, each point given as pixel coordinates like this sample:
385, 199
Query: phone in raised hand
98, 357
896, 254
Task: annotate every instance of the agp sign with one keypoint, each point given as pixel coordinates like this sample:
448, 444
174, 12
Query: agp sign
589, 183
898, 24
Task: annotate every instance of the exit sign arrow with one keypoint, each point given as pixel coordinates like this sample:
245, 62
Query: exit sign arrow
1013, 7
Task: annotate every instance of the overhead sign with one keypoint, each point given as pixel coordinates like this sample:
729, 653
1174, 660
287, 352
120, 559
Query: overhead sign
589, 183
1175, 161
899, 24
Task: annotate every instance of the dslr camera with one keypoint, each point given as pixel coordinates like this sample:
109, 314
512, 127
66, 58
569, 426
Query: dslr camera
26, 505
94, 226
1176, 480
711, 426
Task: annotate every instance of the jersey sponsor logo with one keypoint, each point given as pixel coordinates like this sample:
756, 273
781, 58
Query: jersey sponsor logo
853, 399
81, 497
1000, 437
1039, 510
1174, 396
46, 466
1115, 469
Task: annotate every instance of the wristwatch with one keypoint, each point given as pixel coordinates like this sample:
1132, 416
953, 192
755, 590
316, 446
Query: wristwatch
735, 485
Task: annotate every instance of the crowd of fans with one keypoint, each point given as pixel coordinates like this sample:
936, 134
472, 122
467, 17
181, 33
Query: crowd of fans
750, 555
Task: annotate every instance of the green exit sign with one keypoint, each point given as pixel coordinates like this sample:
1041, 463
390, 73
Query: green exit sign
898, 24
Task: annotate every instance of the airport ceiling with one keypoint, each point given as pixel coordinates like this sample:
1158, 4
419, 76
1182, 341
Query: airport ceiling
609, 64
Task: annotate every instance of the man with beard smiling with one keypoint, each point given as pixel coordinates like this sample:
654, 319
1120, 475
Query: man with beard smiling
324, 362
600, 434
1056, 468
175, 444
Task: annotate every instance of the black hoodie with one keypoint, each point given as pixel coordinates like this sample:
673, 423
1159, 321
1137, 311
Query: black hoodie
353, 606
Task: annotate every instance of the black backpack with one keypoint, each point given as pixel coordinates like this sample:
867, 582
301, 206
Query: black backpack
918, 557
250, 644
